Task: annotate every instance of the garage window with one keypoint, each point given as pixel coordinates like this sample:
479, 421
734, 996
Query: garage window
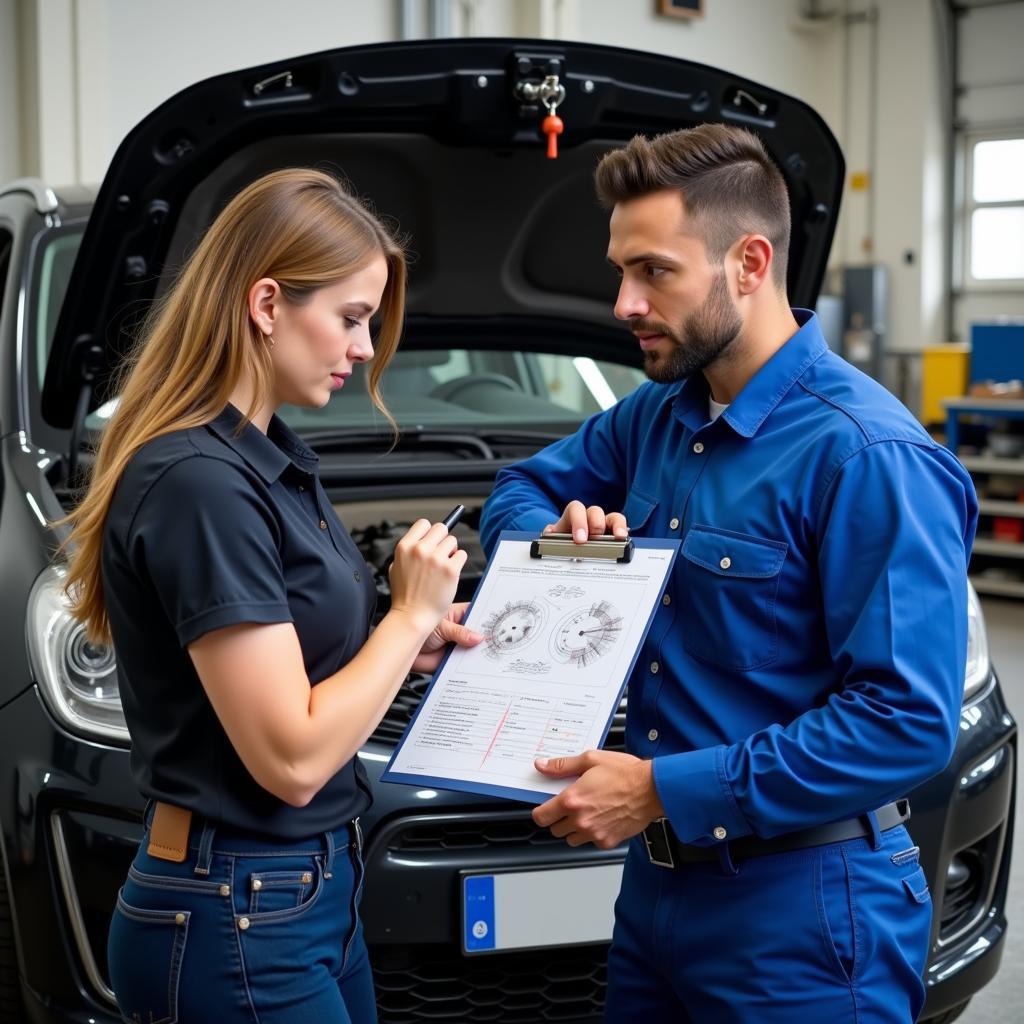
994, 228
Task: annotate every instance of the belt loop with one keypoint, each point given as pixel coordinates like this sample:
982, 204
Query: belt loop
147, 813
205, 848
876, 833
329, 859
725, 859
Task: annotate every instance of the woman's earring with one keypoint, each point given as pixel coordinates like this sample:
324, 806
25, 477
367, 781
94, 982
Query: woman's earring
268, 338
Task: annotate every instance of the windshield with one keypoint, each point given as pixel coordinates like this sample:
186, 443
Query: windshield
461, 387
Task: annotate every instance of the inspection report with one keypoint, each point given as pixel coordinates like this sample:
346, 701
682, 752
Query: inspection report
561, 636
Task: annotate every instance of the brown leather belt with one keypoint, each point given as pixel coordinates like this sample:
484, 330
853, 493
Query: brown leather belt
666, 851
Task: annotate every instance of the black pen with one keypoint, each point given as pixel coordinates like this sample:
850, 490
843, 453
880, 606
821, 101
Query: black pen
453, 517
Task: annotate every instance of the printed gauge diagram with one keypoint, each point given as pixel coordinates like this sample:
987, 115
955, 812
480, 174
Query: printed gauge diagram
513, 627
586, 634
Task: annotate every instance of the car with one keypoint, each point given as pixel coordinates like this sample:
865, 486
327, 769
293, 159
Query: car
510, 343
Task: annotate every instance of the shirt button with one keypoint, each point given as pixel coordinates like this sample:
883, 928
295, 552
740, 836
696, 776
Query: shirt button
673, 524
725, 562
652, 735
654, 667
719, 832
698, 447
323, 524
666, 600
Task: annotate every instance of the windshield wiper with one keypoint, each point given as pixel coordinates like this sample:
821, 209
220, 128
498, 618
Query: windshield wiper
475, 445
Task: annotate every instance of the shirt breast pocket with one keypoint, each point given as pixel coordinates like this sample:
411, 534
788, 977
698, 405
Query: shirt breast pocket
728, 591
638, 509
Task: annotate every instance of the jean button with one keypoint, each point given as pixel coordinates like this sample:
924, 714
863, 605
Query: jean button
243, 923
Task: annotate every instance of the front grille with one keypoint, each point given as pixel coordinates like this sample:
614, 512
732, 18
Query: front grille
417, 985
471, 833
403, 707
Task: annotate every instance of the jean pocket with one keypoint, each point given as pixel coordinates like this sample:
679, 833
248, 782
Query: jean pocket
145, 951
284, 893
728, 588
270, 891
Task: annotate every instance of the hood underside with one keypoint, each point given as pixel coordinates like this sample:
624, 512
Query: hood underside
435, 134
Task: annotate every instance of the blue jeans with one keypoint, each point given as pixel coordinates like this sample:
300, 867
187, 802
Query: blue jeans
245, 929
835, 933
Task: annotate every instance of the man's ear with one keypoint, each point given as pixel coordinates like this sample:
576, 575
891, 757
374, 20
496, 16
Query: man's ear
754, 255
264, 299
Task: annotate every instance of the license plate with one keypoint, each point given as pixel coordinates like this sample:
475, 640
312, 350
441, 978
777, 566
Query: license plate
534, 909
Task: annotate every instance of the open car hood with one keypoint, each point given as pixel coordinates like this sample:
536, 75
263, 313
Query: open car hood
436, 134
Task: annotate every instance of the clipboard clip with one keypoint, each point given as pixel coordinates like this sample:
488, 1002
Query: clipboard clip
605, 548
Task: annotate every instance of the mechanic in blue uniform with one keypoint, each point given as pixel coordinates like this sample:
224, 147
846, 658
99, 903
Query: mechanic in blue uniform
239, 608
806, 667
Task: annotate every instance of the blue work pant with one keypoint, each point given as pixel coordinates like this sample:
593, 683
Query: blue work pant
835, 934
271, 933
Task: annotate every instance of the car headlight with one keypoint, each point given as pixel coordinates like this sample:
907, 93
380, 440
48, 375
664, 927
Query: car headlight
978, 665
78, 679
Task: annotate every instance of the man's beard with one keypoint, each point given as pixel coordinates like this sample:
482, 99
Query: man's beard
703, 337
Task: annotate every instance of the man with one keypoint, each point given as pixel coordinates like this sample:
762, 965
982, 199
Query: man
805, 669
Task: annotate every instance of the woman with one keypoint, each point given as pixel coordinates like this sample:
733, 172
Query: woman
208, 553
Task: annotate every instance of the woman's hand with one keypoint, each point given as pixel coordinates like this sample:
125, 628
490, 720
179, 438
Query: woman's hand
425, 573
448, 631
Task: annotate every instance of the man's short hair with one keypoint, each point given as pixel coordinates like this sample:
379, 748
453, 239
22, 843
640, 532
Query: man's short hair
729, 184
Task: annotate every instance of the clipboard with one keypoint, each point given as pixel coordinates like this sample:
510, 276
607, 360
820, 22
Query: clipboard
564, 625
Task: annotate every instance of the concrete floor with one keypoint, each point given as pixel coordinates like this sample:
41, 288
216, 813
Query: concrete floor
1001, 1001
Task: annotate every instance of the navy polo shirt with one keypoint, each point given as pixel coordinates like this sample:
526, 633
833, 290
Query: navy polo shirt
208, 529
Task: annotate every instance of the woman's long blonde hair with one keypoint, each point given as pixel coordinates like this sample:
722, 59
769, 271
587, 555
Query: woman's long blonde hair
300, 227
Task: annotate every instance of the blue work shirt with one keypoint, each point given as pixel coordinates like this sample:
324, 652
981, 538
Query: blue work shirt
211, 527
807, 662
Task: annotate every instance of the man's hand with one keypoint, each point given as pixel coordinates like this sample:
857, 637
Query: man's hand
448, 631
613, 799
583, 522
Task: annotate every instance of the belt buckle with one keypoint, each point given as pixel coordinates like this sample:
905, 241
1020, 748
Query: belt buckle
661, 838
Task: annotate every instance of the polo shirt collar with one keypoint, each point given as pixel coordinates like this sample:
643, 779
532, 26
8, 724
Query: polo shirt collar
268, 454
763, 392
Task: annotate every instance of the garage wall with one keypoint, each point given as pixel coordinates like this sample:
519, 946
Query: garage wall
10, 120
894, 131
99, 66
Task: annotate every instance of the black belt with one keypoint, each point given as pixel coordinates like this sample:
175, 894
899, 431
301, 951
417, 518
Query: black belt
666, 851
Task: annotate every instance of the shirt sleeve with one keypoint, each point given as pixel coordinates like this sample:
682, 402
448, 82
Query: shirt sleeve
587, 466
210, 547
894, 533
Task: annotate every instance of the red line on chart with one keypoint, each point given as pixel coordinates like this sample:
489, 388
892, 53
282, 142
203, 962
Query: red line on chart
494, 738
543, 735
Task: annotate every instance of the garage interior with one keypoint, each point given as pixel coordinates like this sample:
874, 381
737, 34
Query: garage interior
924, 287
